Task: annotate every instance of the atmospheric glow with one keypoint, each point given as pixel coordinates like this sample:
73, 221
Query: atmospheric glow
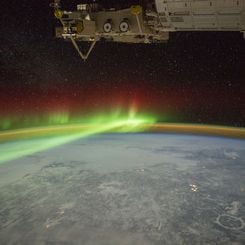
35, 140
60, 128
67, 118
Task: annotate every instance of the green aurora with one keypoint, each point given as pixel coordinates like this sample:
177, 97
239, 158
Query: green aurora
37, 135
67, 118
38, 139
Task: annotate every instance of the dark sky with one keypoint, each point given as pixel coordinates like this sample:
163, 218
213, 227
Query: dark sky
196, 77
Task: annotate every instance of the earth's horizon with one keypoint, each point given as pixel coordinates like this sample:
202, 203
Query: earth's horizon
123, 126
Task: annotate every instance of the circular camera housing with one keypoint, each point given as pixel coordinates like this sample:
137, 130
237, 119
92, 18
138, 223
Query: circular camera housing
124, 26
107, 26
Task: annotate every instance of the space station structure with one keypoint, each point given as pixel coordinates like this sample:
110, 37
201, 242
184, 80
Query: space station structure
150, 22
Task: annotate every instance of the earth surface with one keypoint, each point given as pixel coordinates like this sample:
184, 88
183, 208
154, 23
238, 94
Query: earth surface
123, 189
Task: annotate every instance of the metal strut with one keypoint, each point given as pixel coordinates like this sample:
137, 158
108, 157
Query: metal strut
84, 56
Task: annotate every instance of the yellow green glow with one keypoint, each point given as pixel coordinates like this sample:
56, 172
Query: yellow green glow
61, 128
44, 138
67, 118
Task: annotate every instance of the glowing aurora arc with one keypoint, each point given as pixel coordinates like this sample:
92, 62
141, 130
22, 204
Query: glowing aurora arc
59, 135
